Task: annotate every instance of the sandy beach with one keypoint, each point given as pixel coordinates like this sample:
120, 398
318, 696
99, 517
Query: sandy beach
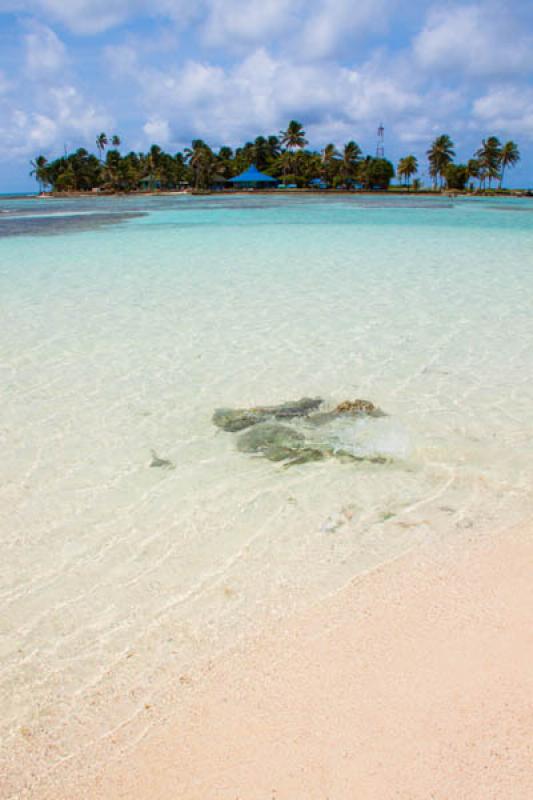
414, 681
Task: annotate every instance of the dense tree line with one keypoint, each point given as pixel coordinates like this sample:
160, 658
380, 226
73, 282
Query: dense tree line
487, 165
284, 156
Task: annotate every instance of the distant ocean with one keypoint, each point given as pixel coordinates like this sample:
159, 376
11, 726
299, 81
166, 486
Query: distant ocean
18, 194
127, 321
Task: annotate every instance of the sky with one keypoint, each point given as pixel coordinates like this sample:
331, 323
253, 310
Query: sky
168, 71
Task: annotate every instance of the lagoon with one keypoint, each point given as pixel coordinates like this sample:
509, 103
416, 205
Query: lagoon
127, 321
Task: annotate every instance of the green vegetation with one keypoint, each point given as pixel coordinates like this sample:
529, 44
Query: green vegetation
456, 176
407, 167
440, 154
489, 163
285, 157
509, 157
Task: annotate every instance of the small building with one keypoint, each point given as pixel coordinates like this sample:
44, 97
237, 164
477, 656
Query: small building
251, 178
217, 183
149, 184
318, 183
354, 185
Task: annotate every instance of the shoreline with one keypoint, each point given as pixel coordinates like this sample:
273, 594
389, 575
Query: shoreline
506, 193
412, 681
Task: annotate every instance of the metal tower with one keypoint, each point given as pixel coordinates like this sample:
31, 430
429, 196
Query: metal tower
380, 149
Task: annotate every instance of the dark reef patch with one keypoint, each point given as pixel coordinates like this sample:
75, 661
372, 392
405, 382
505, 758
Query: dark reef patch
54, 224
296, 432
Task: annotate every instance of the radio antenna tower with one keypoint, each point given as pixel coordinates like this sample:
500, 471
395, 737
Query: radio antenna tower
380, 149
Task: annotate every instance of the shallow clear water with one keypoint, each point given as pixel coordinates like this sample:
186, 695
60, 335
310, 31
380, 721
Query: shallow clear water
122, 338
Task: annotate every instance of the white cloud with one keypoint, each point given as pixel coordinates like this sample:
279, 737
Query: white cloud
505, 110
157, 130
45, 52
314, 27
60, 115
42, 131
121, 59
305, 30
196, 84
87, 16
23, 134
417, 130
477, 40
229, 23
333, 22
96, 16
230, 104
76, 116
81, 16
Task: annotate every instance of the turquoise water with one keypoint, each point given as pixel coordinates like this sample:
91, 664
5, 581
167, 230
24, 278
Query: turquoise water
125, 322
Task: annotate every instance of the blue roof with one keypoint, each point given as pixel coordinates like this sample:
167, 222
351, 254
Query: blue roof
252, 175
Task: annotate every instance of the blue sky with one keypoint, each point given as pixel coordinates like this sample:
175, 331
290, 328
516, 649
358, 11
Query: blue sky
167, 71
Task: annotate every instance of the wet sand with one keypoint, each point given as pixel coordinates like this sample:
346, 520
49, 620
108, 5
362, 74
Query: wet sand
413, 682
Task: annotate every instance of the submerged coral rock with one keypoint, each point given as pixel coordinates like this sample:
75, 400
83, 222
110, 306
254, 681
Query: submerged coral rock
238, 419
307, 454
279, 443
163, 463
345, 457
359, 407
235, 420
308, 434
276, 442
348, 408
293, 408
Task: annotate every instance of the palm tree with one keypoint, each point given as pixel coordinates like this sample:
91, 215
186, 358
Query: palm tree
101, 144
440, 154
489, 157
329, 154
202, 161
407, 167
472, 169
115, 141
509, 157
330, 160
196, 144
284, 164
273, 148
224, 159
294, 136
112, 170
39, 170
154, 162
482, 176
351, 156
260, 152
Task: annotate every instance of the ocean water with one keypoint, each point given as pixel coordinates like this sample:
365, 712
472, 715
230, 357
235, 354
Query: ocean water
125, 322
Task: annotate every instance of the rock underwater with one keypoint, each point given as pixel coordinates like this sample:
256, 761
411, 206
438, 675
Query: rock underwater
306, 434
278, 443
238, 419
163, 463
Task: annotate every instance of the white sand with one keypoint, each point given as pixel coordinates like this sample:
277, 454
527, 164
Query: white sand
415, 682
